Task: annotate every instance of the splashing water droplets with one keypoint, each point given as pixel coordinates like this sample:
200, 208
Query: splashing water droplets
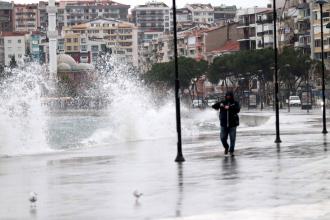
133, 111
22, 117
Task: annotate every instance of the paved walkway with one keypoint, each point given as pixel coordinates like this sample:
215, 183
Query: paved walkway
264, 180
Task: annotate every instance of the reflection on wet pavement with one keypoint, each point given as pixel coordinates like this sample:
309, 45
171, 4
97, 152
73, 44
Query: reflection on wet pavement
263, 181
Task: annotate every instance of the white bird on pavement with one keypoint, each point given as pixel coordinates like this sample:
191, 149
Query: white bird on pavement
33, 198
137, 194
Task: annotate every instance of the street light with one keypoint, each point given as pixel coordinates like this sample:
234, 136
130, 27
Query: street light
321, 2
261, 81
179, 158
309, 103
277, 124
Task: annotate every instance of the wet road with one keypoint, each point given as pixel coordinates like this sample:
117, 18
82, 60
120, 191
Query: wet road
264, 180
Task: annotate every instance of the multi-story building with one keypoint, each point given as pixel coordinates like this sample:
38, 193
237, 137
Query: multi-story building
26, 17
264, 29
196, 43
183, 15
248, 23
43, 16
36, 50
6, 16
72, 45
78, 12
302, 28
12, 44
120, 37
224, 14
317, 31
203, 13
153, 16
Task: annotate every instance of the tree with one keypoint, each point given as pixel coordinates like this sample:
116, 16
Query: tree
12, 63
294, 66
162, 74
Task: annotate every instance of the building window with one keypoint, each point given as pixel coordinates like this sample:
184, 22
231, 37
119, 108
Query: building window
68, 48
83, 47
75, 40
19, 41
95, 48
9, 41
75, 48
68, 40
318, 43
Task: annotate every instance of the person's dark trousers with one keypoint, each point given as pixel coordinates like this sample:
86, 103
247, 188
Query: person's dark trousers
231, 131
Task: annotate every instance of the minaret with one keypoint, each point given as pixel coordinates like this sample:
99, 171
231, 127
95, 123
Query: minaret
52, 36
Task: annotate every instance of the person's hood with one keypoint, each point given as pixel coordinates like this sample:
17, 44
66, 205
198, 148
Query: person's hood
231, 94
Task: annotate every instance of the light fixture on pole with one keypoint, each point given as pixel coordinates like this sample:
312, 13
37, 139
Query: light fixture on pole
277, 123
179, 158
321, 2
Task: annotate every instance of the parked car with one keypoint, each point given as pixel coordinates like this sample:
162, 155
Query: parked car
197, 103
294, 101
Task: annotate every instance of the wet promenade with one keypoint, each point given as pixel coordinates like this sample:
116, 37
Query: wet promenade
264, 180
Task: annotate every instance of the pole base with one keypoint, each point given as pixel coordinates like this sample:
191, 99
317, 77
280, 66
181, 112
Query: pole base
278, 140
179, 159
324, 131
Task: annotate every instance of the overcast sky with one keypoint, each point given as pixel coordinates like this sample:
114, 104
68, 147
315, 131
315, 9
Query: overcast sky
181, 3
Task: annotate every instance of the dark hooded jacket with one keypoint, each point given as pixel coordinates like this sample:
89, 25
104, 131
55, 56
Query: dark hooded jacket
228, 118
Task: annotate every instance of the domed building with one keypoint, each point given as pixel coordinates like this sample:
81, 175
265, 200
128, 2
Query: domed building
73, 77
78, 73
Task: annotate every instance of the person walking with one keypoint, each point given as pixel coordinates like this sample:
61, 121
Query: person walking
229, 120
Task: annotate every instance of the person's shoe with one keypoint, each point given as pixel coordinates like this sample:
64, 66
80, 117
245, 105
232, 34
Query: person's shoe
232, 154
226, 151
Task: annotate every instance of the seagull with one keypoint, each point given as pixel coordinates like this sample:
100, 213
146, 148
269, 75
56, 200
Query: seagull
33, 198
137, 195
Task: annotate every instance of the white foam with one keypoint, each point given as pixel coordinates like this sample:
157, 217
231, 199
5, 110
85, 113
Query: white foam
22, 117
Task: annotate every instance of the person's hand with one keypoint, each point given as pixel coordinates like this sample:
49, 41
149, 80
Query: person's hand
226, 106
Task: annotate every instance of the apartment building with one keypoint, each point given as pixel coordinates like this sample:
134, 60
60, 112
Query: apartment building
302, 27
317, 31
158, 50
183, 15
12, 44
196, 43
153, 16
25, 17
248, 23
224, 14
36, 49
78, 12
72, 45
6, 16
43, 16
120, 37
203, 13
265, 29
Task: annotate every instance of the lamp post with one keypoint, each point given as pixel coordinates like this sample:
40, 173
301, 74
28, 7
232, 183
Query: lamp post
321, 2
277, 123
179, 158
309, 103
287, 66
261, 81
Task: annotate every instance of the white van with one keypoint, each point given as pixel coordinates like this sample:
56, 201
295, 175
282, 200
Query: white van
294, 100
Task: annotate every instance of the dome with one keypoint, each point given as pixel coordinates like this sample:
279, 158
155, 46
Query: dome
64, 67
84, 66
67, 59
